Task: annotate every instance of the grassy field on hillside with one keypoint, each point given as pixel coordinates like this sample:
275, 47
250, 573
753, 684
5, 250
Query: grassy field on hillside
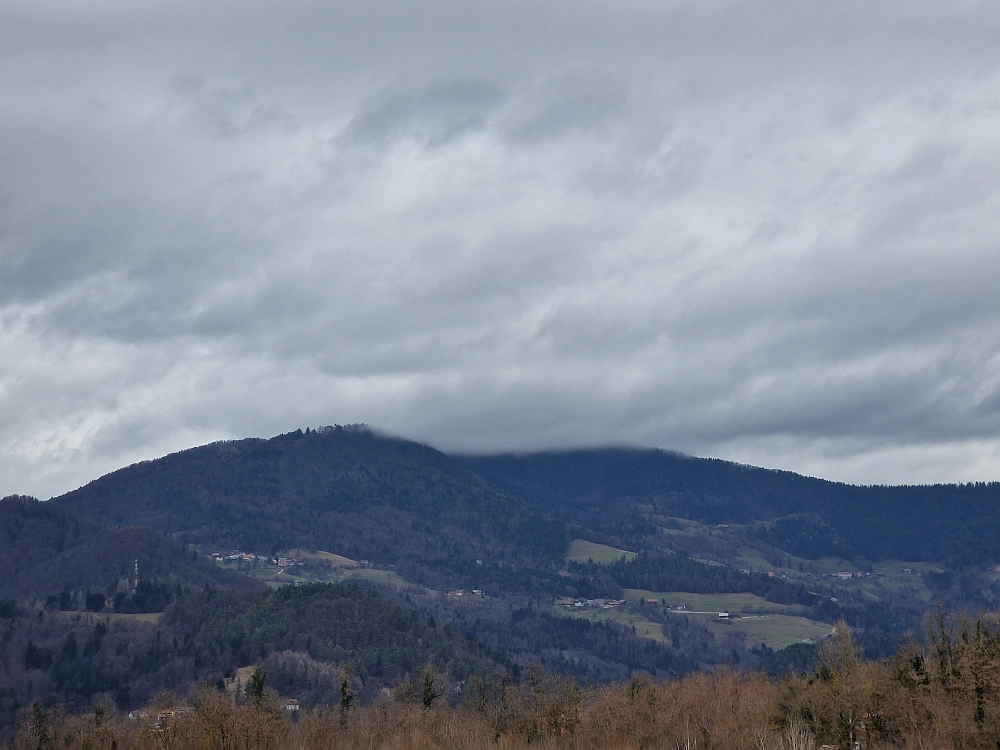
777, 631
643, 628
111, 617
326, 567
338, 561
581, 551
773, 624
373, 575
889, 575
713, 603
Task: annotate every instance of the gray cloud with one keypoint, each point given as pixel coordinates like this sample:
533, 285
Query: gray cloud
766, 233
433, 116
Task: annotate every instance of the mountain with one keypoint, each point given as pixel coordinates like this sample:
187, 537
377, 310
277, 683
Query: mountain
621, 492
598, 563
345, 490
46, 549
367, 496
504, 523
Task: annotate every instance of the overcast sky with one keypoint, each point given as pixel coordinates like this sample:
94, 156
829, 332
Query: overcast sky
767, 231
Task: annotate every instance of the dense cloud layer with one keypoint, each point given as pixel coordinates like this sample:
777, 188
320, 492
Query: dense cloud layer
761, 231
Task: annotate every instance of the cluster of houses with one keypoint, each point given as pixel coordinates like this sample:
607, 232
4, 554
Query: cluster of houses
769, 573
461, 592
237, 556
599, 603
845, 575
162, 717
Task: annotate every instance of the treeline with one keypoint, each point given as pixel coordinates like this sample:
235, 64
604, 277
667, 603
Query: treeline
147, 597
944, 695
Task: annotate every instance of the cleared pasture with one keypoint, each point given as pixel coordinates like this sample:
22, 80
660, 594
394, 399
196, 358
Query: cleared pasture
713, 603
643, 628
581, 551
777, 631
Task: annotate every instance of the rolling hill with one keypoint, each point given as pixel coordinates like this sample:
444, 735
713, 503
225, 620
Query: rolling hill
46, 549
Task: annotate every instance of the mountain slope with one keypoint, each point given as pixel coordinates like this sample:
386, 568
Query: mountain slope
46, 549
345, 490
367, 496
616, 490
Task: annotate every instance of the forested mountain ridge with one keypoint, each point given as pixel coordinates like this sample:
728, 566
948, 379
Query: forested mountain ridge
615, 491
347, 490
374, 497
504, 523
46, 549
